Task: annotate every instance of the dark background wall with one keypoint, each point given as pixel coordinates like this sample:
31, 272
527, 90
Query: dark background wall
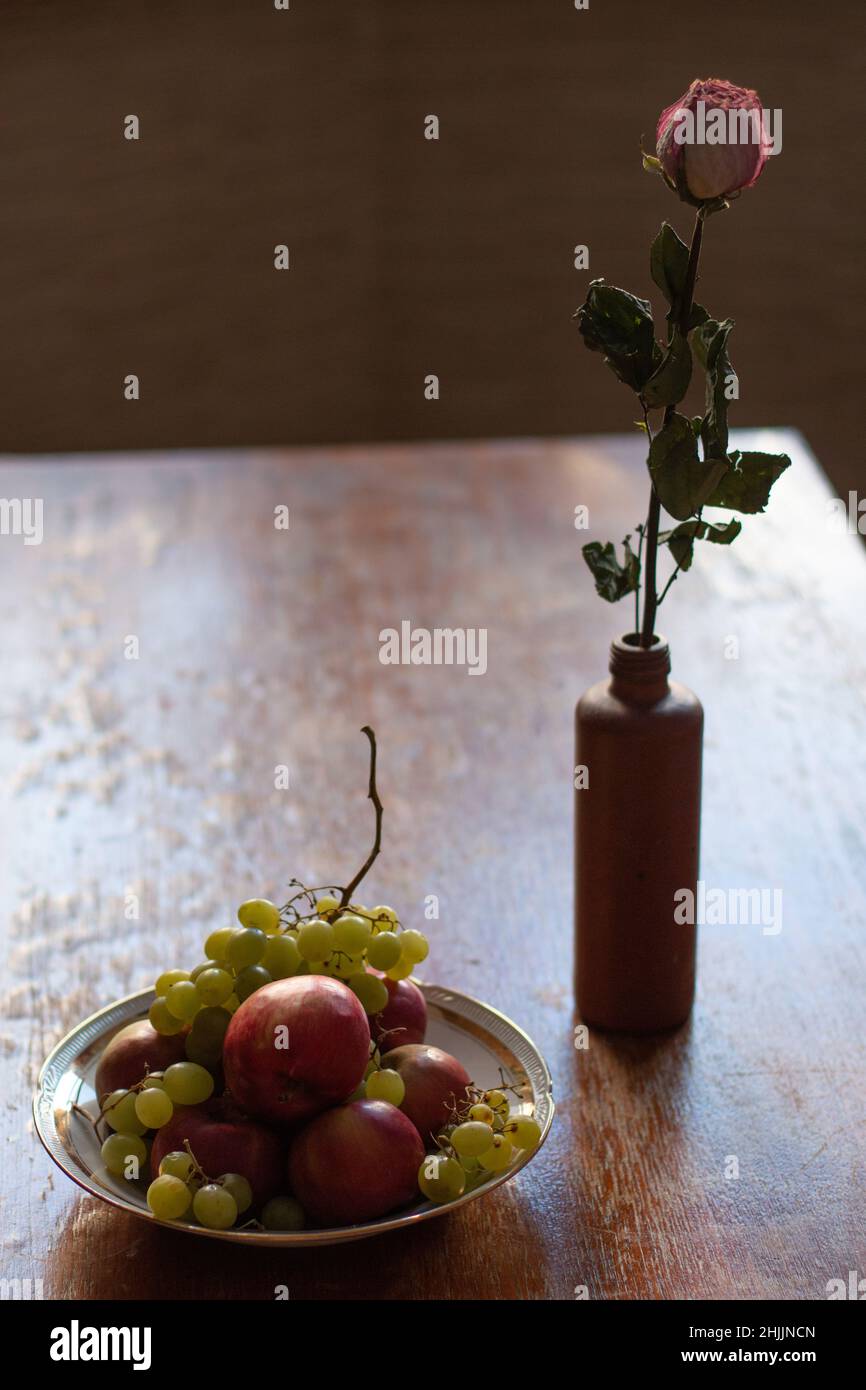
408, 256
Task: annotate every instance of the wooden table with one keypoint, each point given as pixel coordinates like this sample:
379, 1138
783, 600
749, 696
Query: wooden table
260, 647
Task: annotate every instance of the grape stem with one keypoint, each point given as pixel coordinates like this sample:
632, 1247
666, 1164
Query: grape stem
86, 1115
373, 795
199, 1173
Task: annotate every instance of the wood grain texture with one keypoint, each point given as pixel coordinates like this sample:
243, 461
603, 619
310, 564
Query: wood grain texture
260, 647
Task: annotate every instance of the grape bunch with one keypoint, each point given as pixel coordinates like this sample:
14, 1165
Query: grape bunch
484, 1138
148, 1105
312, 934
182, 1185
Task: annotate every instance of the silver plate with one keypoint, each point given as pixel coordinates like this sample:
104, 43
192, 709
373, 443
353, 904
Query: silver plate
483, 1039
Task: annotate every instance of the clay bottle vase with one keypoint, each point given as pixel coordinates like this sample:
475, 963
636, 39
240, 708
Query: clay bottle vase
637, 826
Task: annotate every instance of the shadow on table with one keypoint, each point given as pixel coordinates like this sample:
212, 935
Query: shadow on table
105, 1254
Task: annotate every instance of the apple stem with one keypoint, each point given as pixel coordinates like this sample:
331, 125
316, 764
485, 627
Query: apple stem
377, 843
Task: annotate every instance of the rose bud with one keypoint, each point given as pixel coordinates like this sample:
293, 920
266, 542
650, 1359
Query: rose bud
712, 142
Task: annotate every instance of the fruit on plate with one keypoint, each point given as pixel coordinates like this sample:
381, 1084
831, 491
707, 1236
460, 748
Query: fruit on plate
436, 1083
224, 1141
295, 1047
285, 1080
484, 1136
404, 1017
136, 1049
355, 1163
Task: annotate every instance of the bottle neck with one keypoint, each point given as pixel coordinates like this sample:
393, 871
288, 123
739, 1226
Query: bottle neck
639, 675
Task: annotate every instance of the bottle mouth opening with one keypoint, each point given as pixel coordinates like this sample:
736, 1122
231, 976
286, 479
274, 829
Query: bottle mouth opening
640, 664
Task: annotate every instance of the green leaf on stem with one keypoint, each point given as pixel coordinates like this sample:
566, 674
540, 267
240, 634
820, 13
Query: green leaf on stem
710, 344
620, 326
682, 480
746, 486
669, 261
612, 579
681, 541
670, 380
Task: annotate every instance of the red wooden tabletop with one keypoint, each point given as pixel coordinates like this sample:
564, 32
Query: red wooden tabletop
727, 1160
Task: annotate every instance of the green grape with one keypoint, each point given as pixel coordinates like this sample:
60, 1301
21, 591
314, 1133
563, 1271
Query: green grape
384, 919
214, 1206
155, 1080
168, 1197
522, 1131
482, 1113
117, 1151
498, 1156
351, 933
260, 914
246, 947
371, 991
386, 1085
249, 980
240, 1190
183, 1000
211, 1024
214, 986
202, 965
119, 1113
217, 943
153, 1107
282, 957
441, 1179
177, 1164
315, 941
326, 904
169, 978
344, 967
472, 1138
359, 1093
283, 1214
384, 950
498, 1104
232, 1003
162, 1020
414, 946
187, 1083
401, 971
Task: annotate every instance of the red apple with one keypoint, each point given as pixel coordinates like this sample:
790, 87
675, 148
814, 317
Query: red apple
224, 1141
295, 1047
404, 1017
355, 1163
434, 1080
137, 1048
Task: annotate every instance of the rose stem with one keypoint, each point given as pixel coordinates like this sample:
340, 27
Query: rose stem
650, 600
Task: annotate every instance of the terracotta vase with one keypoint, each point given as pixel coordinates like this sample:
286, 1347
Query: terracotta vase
637, 829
